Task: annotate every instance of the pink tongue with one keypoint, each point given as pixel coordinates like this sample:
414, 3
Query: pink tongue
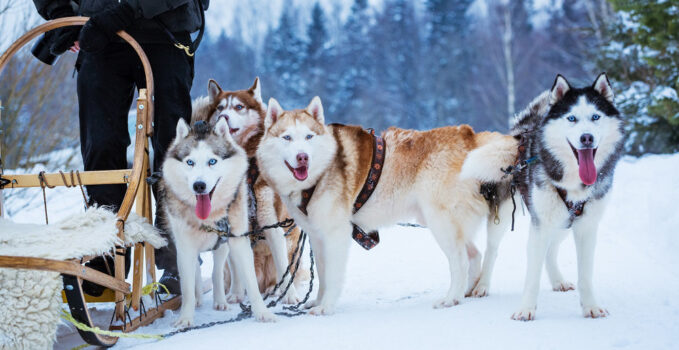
301, 173
203, 206
587, 168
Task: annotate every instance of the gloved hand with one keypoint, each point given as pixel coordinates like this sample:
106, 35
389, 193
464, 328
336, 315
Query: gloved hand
61, 39
102, 27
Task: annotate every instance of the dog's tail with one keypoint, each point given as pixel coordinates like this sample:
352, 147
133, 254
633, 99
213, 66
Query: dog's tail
495, 151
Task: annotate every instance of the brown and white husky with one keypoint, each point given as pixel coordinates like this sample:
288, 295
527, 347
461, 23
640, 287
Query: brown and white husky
420, 178
244, 111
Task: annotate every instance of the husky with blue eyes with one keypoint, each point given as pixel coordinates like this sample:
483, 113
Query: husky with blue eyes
204, 181
571, 140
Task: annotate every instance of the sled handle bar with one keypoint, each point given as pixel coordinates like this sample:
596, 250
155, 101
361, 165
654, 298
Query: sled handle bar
79, 21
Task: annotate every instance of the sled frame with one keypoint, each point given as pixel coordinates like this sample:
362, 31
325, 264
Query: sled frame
127, 297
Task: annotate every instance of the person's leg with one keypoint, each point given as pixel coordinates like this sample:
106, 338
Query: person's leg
105, 89
173, 77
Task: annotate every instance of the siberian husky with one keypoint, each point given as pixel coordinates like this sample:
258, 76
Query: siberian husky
571, 139
420, 178
244, 111
203, 182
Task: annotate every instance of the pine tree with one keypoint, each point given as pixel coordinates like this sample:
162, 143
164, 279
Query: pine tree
283, 57
642, 61
449, 60
319, 56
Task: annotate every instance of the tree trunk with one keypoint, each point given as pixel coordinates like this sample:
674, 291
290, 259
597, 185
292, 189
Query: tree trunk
507, 39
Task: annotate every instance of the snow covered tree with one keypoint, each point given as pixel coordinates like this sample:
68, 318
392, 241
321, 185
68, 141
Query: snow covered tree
284, 53
642, 60
396, 83
318, 68
448, 60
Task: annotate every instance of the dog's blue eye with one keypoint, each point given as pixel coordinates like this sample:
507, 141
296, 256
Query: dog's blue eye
571, 118
212, 161
596, 117
287, 138
239, 107
308, 137
190, 162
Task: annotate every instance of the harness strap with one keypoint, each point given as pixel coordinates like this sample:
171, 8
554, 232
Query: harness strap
306, 198
371, 239
253, 174
575, 209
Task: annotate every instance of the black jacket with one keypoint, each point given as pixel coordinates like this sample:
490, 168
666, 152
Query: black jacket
179, 16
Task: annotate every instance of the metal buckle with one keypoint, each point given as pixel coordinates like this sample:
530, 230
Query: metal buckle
185, 48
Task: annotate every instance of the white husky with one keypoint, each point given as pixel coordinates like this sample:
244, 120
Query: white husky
204, 182
571, 138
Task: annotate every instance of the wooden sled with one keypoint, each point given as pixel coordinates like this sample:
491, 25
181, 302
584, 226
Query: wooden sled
127, 298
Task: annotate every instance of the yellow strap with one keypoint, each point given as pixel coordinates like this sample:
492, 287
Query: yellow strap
185, 48
96, 330
153, 287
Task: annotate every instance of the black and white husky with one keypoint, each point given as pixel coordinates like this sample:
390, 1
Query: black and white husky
571, 140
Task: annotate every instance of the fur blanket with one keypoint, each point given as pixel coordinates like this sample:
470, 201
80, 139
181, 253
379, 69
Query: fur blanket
30, 300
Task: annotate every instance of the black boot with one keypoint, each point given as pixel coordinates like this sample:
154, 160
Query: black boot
171, 281
106, 265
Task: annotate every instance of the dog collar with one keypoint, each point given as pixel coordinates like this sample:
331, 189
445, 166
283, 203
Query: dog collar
575, 209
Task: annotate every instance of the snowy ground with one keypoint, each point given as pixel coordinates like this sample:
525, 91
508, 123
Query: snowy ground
387, 299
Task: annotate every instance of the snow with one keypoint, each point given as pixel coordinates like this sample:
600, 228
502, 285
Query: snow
389, 291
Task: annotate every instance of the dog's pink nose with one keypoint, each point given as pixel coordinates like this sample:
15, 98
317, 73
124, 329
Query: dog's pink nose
302, 159
226, 117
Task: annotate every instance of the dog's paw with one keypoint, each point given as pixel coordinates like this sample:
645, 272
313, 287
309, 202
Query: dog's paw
265, 316
446, 302
235, 298
594, 312
321, 310
183, 322
311, 303
563, 286
525, 314
480, 291
291, 297
220, 305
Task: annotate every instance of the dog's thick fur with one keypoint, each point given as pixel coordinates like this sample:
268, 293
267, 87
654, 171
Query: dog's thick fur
555, 125
420, 179
245, 111
206, 160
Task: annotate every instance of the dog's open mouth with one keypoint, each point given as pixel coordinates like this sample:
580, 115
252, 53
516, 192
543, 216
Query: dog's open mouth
585, 159
299, 173
204, 203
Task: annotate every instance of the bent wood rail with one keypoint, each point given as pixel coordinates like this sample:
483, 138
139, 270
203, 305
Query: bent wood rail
138, 192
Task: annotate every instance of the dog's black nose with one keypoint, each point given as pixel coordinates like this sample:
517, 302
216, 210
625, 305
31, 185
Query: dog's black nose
199, 186
587, 140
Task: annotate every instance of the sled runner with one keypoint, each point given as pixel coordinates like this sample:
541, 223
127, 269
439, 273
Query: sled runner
130, 312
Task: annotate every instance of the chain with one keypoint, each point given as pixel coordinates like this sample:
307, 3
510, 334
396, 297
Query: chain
287, 223
241, 316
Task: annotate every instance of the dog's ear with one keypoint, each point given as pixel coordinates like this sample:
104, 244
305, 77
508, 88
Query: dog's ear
559, 89
213, 90
182, 130
603, 86
256, 90
315, 108
222, 129
273, 112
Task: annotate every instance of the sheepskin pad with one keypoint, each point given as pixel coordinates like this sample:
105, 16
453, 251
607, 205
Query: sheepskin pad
93, 232
30, 300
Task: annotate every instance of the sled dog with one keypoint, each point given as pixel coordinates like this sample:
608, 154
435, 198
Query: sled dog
419, 178
571, 139
244, 111
203, 182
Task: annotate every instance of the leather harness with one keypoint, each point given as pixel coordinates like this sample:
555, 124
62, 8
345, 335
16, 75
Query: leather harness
371, 239
574, 209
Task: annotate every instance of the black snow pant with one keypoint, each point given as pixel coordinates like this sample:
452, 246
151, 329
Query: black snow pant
106, 86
